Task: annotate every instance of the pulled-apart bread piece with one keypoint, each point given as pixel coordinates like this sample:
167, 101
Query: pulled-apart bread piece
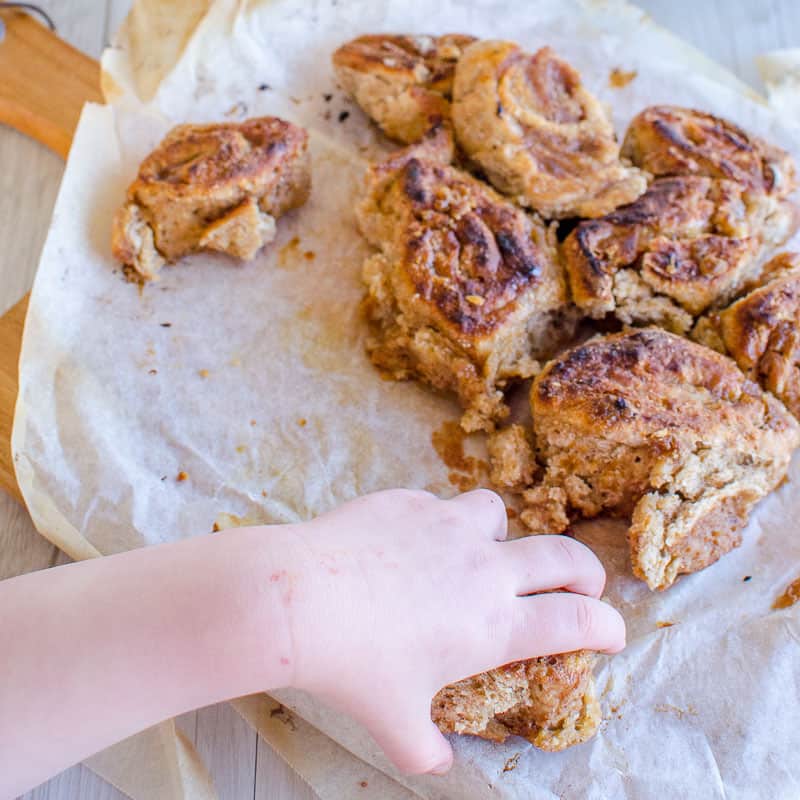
538, 133
761, 331
549, 701
211, 187
512, 463
466, 291
652, 426
403, 83
686, 244
669, 140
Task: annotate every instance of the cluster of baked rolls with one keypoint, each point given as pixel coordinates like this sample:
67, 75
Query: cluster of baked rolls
678, 417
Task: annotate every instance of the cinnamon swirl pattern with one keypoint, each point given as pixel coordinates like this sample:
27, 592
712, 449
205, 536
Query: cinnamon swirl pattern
688, 243
465, 290
211, 187
403, 83
761, 330
539, 135
669, 140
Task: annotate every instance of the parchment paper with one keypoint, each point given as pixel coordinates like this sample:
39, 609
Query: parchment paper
251, 379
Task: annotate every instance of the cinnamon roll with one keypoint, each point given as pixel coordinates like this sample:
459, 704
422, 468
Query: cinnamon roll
653, 427
538, 133
669, 140
211, 187
761, 330
466, 290
403, 83
688, 243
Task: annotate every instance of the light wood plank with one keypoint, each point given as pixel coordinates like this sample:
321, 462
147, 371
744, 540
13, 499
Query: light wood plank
275, 780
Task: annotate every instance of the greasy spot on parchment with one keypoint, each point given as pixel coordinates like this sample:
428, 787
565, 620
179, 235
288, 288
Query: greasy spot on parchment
448, 442
680, 713
224, 521
289, 256
618, 78
282, 714
664, 624
789, 597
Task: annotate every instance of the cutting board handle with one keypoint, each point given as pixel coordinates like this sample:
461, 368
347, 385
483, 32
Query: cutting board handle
44, 82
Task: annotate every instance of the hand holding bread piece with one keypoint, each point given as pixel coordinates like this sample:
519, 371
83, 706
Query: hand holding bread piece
217, 187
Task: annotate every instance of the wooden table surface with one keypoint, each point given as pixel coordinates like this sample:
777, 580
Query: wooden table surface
243, 767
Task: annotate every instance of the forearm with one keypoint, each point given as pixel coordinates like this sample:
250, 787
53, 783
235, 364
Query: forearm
94, 652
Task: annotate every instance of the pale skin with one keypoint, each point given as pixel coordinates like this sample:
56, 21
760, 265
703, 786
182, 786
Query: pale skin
372, 607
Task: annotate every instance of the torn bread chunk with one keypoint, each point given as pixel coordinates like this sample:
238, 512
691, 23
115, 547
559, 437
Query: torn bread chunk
466, 291
540, 136
687, 244
211, 187
670, 140
761, 330
403, 83
512, 464
549, 701
653, 427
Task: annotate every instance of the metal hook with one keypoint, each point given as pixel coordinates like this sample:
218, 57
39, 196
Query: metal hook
26, 7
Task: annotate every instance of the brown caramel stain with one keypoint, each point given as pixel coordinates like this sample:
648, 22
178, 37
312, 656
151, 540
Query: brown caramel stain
448, 442
282, 714
462, 482
789, 597
181, 476
664, 624
680, 713
309, 255
288, 254
225, 521
618, 78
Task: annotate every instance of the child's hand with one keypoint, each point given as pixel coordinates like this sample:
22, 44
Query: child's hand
400, 593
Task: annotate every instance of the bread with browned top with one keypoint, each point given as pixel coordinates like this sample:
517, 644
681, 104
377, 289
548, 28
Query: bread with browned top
465, 291
669, 433
217, 187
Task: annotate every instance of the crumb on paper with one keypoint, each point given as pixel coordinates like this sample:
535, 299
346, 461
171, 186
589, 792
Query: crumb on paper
664, 624
327, 97
511, 763
363, 784
264, 87
182, 476
215, 528
235, 362
253, 423
282, 714
680, 713
241, 448
343, 115
203, 373
237, 109
309, 255
152, 372
302, 422
789, 597
288, 252
166, 324
618, 78
747, 578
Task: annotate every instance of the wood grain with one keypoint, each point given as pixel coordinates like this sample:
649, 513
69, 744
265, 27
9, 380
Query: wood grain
45, 82
11, 325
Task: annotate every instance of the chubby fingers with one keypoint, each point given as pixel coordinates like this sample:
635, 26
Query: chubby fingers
560, 622
486, 512
545, 562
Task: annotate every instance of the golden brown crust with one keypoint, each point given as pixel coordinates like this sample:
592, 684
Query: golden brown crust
684, 245
669, 140
650, 425
761, 331
404, 83
217, 187
466, 287
549, 701
540, 136
511, 461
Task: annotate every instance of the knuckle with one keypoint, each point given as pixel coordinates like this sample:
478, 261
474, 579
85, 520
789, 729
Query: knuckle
566, 550
585, 618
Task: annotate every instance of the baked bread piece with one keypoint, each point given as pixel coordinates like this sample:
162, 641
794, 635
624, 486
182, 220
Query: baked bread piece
466, 291
686, 244
537, 132
761, 331
211, 187
669, 140
652, 426
549, 701
403, 83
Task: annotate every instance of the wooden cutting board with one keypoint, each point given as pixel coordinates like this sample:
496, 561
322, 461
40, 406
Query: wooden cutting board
44, 84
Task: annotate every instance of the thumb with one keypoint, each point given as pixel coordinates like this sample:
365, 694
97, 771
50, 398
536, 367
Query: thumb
413, 744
